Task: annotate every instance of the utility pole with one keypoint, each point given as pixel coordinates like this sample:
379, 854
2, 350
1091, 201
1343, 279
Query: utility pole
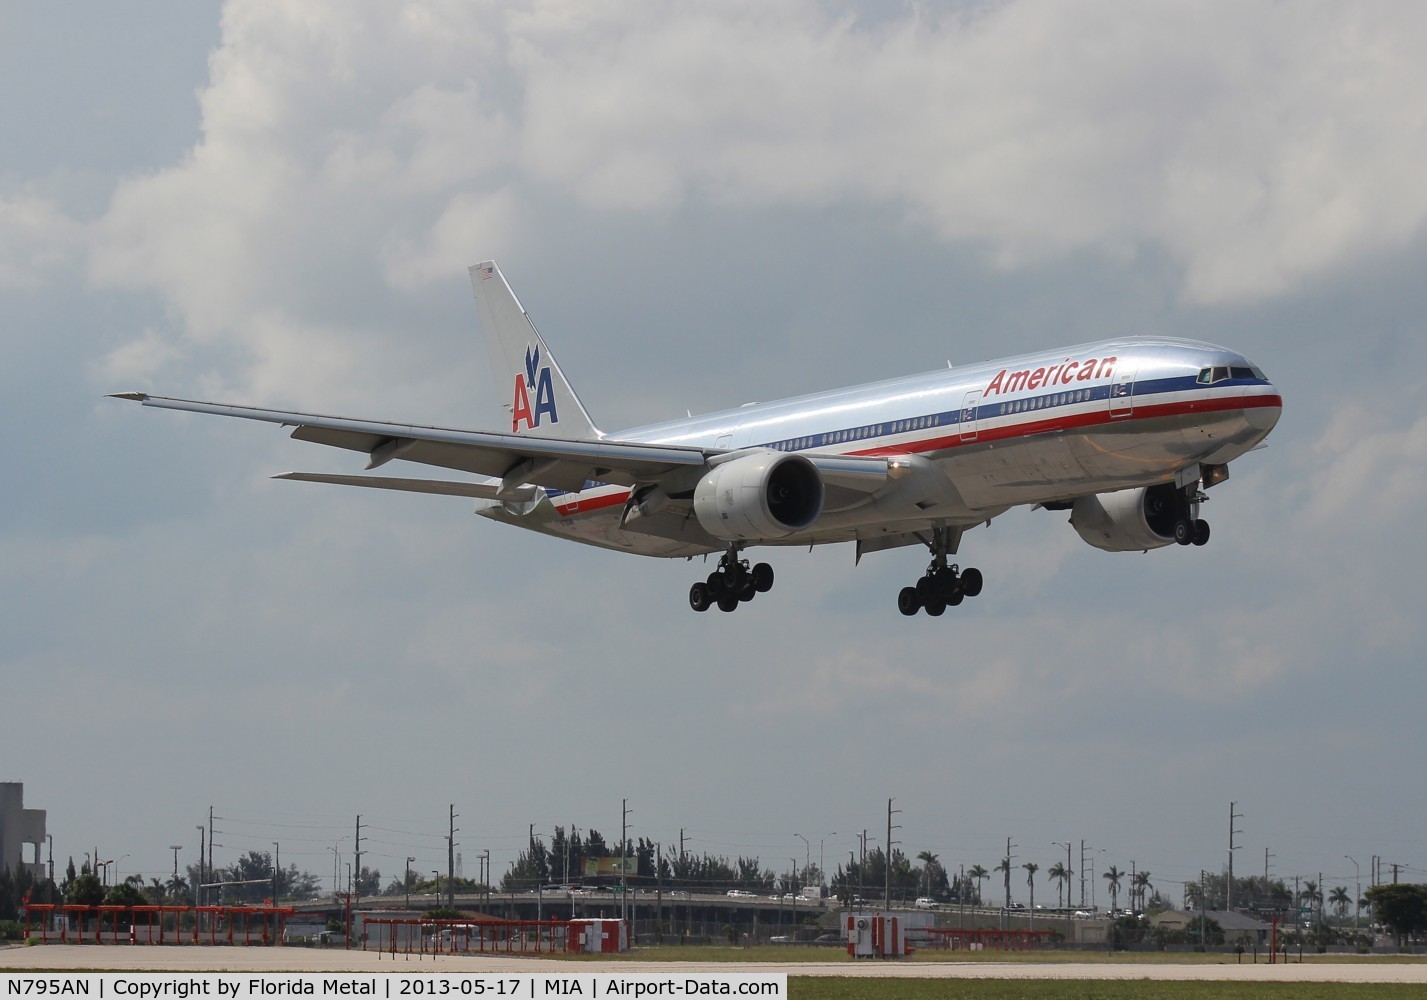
1082, 873
357, 864
451, 861
277, 859
1006, 910
198, 889
887, 868
1229, 891
623, 861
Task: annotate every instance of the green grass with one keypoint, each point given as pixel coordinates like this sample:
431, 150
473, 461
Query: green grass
824, 988
793, 955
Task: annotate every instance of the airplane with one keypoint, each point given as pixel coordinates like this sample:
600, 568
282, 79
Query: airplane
1125, 434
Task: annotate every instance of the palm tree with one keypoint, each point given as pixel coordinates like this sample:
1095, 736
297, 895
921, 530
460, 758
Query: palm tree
1339, 897
928, 859
1113, 876
1141, 883
979, 874
1031, 868
1061, 874
1311, 894
1005, 868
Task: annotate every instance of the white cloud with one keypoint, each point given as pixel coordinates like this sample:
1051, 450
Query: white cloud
36, 237
1260, 147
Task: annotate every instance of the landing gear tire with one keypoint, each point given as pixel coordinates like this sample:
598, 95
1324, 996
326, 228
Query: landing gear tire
936, 607
1184, 531
909, 602
727, 602
699, 597
1201, 532
762, 575
971, 582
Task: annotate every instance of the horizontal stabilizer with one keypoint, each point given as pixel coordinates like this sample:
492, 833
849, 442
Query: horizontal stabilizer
442, 487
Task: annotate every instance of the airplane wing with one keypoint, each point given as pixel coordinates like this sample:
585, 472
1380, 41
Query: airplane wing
518, 461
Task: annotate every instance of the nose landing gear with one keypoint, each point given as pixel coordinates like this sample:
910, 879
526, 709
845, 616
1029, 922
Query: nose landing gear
732, 584
1189, 527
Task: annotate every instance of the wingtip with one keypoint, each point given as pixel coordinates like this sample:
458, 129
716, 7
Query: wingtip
137, 397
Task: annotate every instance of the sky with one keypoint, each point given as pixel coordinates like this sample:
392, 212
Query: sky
274, 203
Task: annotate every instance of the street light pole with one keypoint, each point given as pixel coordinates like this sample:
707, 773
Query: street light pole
1068, 873
336, 871
202, 873
1357, 900
406, 884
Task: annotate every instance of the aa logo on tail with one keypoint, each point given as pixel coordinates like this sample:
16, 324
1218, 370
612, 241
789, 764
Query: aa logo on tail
533, 380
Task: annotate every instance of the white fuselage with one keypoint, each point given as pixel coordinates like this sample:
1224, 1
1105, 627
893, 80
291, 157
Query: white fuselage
978, 439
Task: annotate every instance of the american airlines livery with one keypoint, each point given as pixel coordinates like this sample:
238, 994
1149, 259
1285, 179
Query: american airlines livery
1125, 434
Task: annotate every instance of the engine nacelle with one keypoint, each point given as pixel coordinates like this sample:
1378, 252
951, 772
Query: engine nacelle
766, 495
1127, 520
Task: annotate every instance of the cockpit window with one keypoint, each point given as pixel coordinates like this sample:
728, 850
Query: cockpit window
1208, 376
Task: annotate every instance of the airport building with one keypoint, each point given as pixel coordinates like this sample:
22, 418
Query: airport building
20, 828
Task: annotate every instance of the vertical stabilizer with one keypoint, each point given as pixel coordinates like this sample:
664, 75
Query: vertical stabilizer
534, 390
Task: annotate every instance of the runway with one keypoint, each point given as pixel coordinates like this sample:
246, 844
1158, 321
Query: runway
88, 958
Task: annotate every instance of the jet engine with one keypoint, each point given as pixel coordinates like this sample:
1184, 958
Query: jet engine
1128, 520
765, 495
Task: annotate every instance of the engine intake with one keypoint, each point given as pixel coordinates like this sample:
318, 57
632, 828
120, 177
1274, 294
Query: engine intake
765, 495
1127, 520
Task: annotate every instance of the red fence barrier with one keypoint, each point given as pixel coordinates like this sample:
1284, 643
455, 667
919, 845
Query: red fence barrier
147, 924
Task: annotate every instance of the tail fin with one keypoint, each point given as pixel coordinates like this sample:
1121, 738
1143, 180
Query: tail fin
541, 401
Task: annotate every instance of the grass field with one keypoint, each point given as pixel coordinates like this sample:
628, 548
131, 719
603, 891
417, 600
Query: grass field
793, 955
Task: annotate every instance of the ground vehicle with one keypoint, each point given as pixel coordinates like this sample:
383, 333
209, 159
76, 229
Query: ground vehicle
925, 903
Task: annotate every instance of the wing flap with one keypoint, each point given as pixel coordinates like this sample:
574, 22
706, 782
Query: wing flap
440, 487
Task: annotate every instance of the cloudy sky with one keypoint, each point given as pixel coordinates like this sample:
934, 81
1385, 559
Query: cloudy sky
275, 203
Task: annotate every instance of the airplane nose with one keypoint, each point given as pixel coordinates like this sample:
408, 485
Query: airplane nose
1265, 406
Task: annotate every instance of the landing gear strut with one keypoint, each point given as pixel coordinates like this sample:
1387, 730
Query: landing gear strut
1189, 527
732, 584
944, 584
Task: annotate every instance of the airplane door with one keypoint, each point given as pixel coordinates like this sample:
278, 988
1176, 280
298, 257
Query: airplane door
968, 415
1122, 394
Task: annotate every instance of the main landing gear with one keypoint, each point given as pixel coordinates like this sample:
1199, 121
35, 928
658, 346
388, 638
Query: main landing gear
944, 585
732, 584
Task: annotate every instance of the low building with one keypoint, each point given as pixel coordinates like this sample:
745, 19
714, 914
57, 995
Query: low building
20, 828
1234, 925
